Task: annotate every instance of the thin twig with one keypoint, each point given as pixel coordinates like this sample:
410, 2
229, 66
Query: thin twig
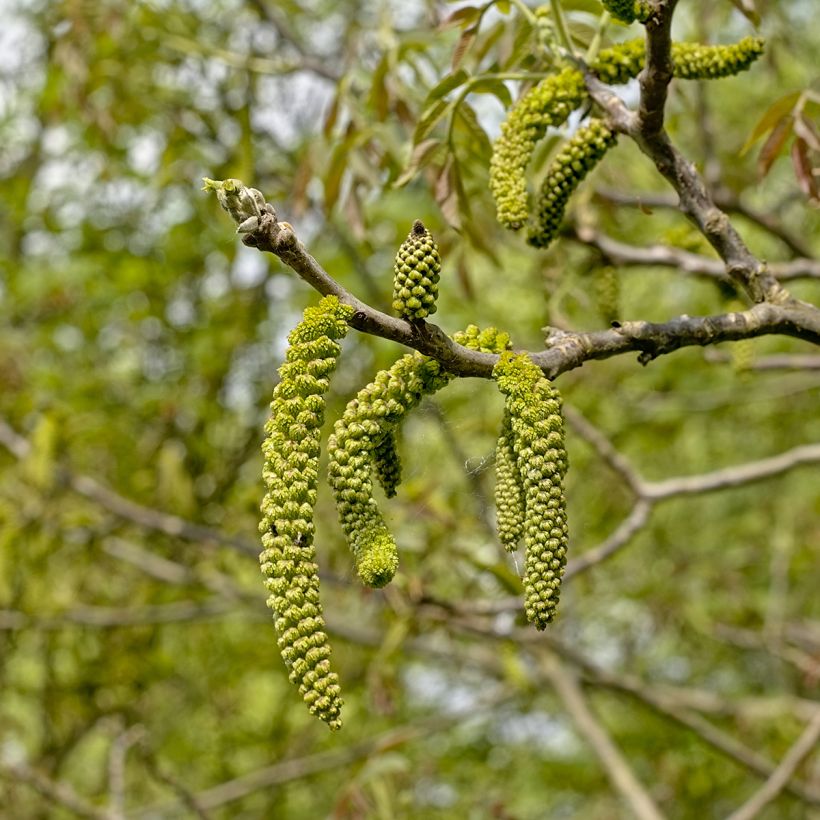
124, 508
58, 793
615, 765
301, 767
803, 747
733, 476
116, 767
104, 617
723, 199
604, 448
623, 534
666, 256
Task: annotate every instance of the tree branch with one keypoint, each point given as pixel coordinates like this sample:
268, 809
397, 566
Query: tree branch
621, 253
646, 128
566, 350
61, 794
657, 73
804, 746
615, 765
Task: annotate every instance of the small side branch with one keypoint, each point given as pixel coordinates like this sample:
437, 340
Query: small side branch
805, 745
615, 765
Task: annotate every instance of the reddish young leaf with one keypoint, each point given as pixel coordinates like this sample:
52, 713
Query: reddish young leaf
804, 171
463, 46
462, 18
773, 146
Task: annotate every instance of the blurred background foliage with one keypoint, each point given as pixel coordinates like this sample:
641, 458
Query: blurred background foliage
139, 342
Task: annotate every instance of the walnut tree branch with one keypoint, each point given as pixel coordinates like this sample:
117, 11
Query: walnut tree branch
646, 128
566, 350
621, 253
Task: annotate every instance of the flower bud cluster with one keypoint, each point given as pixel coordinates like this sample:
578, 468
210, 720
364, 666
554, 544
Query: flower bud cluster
244, 205
534, 409
362, 436
416, 275
290, 474
572, 163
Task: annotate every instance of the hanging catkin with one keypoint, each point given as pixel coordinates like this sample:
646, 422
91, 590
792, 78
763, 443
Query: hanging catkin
290, 473
534, 408
355, 447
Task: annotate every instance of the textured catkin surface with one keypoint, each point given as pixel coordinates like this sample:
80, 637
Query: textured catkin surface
361, 445
572, 163
534, 408
547, 104
290, 475
509, 492
627, 11
416, 275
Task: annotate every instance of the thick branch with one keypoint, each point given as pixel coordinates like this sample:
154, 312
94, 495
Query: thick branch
566, 350
657, 72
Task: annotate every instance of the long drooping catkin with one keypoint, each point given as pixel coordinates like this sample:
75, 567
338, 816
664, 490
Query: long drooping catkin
534, 408
290, 473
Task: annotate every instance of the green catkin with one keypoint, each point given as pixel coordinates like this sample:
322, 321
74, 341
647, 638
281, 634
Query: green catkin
416, 275
693, 61
290, 474
620, 63
546, 105
509, 492
627, 11
690, 61
550, 103
608, 293
573, 162
534, 408
387, 464
376, 412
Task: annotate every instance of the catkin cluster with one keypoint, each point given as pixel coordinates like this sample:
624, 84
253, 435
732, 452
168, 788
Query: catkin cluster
290, 473
572, 163
534, 430
690, 61
363, 442
550, 103
547, 104
416, 275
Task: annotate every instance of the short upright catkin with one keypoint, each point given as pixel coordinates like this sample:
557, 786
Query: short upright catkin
534, 408
416, 275
290, 473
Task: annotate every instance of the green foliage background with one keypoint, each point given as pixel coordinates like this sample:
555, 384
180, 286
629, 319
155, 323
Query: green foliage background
139, 343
